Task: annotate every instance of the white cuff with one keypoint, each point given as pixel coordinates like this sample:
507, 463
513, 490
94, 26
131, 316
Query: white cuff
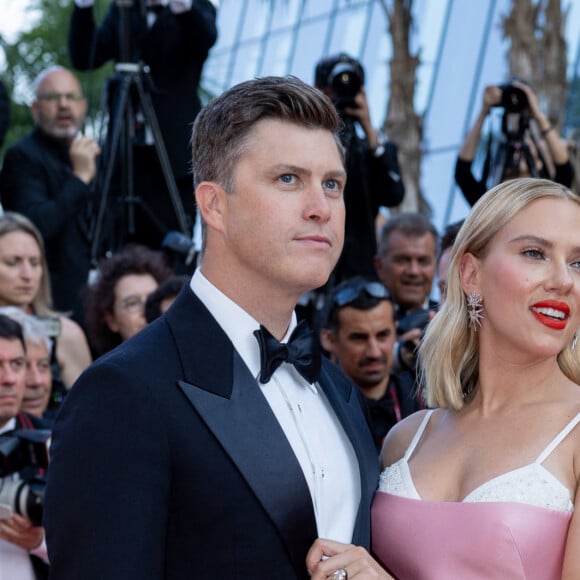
180, 6
41, 552
84, 3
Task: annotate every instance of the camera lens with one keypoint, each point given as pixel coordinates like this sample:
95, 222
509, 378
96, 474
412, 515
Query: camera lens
345, 81
513, 99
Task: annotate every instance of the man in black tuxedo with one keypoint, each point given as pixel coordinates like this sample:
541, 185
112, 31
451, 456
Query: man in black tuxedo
188, 452
173, 40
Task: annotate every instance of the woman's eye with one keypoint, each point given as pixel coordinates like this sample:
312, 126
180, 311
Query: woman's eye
533, 253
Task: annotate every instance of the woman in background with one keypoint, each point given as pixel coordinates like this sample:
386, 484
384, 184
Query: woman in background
115, 302
24, 282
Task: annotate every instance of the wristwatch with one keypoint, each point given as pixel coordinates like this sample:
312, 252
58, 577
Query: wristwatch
381, 142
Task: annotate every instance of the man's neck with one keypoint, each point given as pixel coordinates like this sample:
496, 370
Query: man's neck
375, 392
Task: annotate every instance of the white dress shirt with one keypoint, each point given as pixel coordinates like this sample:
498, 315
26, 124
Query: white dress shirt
314, 433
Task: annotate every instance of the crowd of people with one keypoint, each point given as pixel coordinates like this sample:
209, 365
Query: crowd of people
296, 404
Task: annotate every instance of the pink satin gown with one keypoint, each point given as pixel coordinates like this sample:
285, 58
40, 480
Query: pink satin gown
512, 527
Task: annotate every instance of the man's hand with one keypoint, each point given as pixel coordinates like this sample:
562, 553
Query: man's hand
20, 532
362, 114
491, 97
83, 154
326, 556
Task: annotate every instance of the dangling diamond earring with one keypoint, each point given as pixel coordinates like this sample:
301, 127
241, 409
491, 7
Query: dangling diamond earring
574, 341
474, 310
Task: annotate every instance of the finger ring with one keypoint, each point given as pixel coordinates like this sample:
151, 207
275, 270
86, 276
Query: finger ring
340, 574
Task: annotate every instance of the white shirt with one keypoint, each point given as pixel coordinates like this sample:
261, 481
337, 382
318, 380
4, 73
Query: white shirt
314, 433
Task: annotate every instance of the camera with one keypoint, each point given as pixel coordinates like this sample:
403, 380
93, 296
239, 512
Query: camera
23, 451
345, 80
513, 99
418, 318
514, 122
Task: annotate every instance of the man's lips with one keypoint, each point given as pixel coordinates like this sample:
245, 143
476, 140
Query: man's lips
551, 313
315, 239
8, 399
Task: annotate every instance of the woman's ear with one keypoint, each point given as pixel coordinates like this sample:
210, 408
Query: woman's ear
469, 273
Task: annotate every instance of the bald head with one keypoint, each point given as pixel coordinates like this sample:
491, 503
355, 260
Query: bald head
59, 107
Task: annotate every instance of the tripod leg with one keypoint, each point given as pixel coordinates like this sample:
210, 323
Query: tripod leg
151, 117
108, 163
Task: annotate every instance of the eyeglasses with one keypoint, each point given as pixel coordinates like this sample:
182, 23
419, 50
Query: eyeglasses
350, 293
56, 97
132, 304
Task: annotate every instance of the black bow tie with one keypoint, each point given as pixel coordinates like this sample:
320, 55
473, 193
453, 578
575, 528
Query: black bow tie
301, 350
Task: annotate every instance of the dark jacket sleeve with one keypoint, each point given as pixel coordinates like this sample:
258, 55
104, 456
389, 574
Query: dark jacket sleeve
564, 174
89, 47
106, 498
385, 182
46, 192
4, 112
471, 188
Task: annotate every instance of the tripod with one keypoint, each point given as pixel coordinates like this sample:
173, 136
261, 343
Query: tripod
132, 76
513, 149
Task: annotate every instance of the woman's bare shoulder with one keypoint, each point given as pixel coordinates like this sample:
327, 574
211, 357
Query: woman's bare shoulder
70, 330
400, 437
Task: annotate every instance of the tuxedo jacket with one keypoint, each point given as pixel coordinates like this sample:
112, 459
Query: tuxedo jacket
175, 48
37, 181
168, 463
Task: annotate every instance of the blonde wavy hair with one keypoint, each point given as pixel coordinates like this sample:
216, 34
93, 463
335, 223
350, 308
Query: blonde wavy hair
449, 351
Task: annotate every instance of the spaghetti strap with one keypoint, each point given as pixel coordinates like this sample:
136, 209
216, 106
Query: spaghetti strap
558, 439
418, 434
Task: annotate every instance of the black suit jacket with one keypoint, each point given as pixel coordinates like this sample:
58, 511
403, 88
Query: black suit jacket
167, 462
175, 49
37, 181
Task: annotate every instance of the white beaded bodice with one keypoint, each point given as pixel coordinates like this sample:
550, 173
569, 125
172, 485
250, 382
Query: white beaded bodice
532, 484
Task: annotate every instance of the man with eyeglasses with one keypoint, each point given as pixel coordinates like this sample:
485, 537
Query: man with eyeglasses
47, 176
358, 331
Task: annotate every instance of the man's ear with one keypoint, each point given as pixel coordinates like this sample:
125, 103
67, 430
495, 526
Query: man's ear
469, 273
327, 340
210, 200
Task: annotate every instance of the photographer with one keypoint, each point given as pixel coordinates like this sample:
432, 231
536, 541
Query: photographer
372, 167
405, 264
357, 330
172, 41
534, 147
22, 547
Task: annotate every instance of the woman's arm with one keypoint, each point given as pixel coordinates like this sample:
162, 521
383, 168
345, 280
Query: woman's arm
72, 351
571, 568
